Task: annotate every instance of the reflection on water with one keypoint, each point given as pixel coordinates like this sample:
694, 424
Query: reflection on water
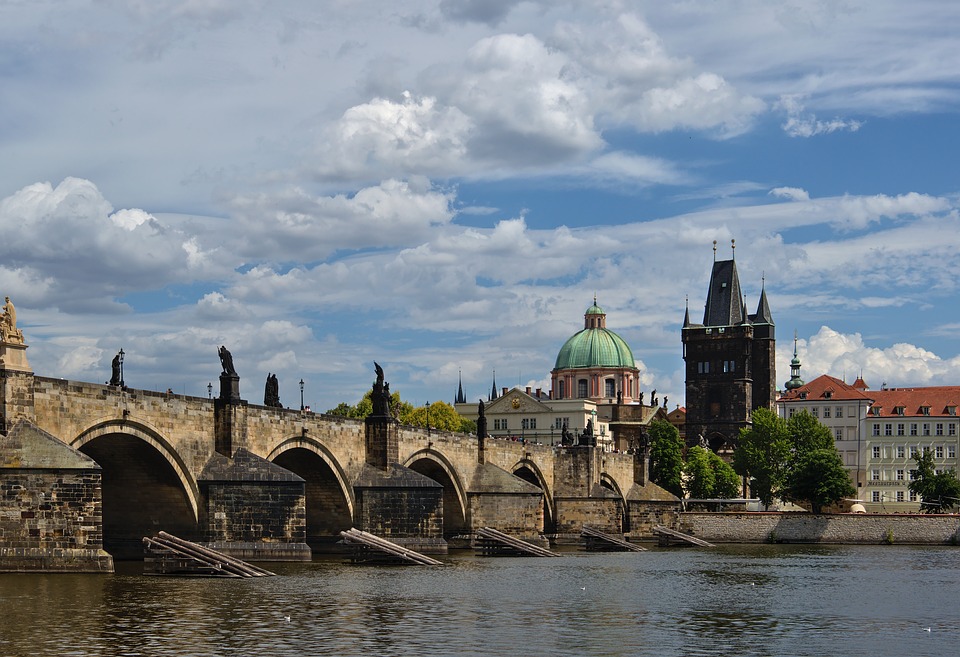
742, 600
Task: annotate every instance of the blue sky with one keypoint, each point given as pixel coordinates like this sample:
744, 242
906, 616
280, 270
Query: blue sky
442, 186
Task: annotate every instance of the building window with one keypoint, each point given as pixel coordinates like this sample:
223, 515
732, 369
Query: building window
528, 423
826, 411
925, 410
815, 411
876, 496
582, 388
951, 451
500, 424
875, 410
951, 429
898, 410
951, 410
875, 475
900, 475
838, 411
838, 433
610, 388
791, 411
901, 451
939, 428
876, 451
876, 430
561, 392
926, 429
938, 451
913, 429
913, 451
888, 429
913, 496
899, 495
703, 367
901, 429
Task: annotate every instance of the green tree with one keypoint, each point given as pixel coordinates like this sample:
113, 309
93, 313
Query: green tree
707, 476
807, 434
699, 478
763, 455
817, 476
939, 492
343, 409
666, 456
442, 416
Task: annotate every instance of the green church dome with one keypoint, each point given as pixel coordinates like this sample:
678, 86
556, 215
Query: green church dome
594, 347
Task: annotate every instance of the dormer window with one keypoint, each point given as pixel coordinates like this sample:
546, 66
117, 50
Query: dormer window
899, 410
924, 410
828, 394
876, 410
803, 395
951, 410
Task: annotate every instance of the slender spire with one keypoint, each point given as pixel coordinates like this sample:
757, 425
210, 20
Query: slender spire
461, 398
686, 313
763, 316
493, 390
795, 380
733, 249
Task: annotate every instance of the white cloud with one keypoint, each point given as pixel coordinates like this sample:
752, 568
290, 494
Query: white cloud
848, 356
804, 124
791, 193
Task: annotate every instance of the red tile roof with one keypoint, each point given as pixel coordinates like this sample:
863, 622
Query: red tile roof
818, 388
938, 398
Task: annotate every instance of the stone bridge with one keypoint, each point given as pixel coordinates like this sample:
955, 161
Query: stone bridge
266, 482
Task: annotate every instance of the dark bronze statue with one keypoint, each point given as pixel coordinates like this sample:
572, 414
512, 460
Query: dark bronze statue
381, 394
226, 361
115, 376
481, 421
565, 437
271, 392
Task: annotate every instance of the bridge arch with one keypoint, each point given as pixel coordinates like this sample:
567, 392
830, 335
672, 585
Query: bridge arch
435, 465
146, 485
530, 472
608, 482
329, 494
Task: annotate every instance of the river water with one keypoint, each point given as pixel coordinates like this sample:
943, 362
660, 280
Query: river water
730, 600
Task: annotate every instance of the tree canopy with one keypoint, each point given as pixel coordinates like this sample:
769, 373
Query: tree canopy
707, 476
442, 416
939, 492
666, 456
791, 459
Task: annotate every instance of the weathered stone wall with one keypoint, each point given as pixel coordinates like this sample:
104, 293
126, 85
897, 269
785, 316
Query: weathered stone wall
809, 528
51, 520
518, 515
406, 515
644, 515
255, 511
602, 513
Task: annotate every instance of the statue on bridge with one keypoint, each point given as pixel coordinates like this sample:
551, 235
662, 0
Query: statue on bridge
381, 394
271, 392
8, 324
586, 438
116, 375
565, 437
226, 361
481, 421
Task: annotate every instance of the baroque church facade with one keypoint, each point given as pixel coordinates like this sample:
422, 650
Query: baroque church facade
730, 361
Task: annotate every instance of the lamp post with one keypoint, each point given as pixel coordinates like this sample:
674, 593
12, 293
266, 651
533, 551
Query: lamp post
121, 367
428, 418
210, 390
301, 396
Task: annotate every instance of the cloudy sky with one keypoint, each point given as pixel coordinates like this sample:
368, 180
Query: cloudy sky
444, 185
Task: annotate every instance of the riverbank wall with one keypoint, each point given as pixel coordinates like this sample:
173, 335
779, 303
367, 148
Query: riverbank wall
841, 528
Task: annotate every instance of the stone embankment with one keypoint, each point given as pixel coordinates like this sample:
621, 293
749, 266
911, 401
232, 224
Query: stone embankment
841, 528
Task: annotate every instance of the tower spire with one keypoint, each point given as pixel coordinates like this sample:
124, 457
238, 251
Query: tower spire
795, 380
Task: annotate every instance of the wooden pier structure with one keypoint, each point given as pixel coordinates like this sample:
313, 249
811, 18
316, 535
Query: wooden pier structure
670, 537
371, 549
596, 541
165, 554
493, 543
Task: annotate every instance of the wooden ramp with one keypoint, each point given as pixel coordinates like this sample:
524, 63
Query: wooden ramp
165, 554
368, 548
596, 541
672, 537
491, 542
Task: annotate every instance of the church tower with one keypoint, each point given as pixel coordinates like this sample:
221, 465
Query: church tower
730, 361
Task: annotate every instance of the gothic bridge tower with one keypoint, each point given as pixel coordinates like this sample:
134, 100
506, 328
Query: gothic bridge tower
730, 361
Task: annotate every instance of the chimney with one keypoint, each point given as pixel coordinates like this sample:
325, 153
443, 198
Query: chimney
539, 393
528, 390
